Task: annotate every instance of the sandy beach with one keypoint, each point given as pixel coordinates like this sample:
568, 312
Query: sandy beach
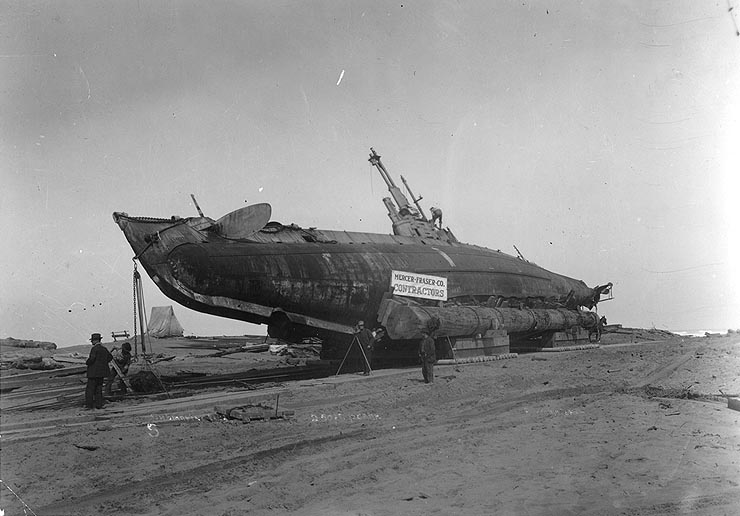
626, 428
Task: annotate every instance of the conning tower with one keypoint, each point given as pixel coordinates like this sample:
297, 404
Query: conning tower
407, 219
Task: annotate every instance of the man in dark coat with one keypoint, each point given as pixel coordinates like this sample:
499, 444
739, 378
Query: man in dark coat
366, 339
428, 355
97, 372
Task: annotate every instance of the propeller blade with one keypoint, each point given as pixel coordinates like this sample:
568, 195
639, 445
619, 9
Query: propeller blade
245, 221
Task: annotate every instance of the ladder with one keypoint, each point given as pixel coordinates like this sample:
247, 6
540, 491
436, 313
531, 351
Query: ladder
123, 377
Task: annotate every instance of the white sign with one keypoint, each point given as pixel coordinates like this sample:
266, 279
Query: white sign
411, 284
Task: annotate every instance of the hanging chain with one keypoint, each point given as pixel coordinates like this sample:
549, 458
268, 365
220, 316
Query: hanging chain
138, 296
136, 345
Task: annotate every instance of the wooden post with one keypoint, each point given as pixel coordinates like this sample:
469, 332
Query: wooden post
452, 349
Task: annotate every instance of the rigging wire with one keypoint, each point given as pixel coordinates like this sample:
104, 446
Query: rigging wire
730, 8
141, 306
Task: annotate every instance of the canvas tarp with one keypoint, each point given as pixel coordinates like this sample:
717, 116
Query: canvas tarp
163, 323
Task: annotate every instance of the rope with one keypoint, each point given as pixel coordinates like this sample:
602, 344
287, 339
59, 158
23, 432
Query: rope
142, 321
142, 314
156, 374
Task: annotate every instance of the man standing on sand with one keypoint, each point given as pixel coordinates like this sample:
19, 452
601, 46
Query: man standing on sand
366, 339
428, 355
97, 372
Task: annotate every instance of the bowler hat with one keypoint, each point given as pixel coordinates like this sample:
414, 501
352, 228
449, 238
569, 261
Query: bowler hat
95, 336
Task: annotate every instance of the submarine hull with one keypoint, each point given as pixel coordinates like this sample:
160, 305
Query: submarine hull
329, 284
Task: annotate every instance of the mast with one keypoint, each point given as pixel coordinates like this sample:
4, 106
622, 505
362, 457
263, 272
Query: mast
200, 212
403, 204
407, 220
414, 198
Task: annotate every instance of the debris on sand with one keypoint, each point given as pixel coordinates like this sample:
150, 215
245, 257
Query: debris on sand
36, 363
88, 447
17, 343
27, 354
616, 333
145, 382
252, 412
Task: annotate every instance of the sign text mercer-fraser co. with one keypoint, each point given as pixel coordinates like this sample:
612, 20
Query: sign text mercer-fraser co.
411, 284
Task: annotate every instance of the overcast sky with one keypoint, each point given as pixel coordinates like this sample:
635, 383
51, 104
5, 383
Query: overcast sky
600, 138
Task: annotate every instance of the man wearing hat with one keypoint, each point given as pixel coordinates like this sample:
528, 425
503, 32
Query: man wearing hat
97, 371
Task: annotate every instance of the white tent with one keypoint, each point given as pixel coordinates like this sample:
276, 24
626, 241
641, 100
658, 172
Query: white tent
163, 323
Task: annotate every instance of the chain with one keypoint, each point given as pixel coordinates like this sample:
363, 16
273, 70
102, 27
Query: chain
138, 295
136, 346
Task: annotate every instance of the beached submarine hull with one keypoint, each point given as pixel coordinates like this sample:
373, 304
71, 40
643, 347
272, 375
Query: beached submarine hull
310, 282
286, 276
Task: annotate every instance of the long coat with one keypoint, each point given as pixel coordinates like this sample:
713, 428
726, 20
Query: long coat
427, 349
97, 362
366, 339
